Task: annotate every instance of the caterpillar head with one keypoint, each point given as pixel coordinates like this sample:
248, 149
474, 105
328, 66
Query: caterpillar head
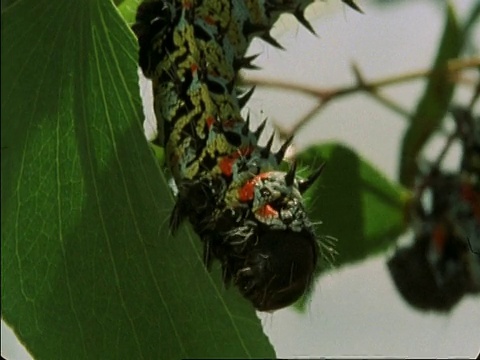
276, 248
279, 269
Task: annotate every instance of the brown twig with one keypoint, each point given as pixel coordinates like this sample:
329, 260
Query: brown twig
326, 95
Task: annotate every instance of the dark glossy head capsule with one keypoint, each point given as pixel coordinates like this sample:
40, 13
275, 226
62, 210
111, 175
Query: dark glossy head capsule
279, 270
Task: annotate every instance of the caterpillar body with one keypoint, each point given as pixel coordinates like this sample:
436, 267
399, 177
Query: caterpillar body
249, 215
443, 263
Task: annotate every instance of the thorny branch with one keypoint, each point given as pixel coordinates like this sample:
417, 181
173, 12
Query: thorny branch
324, 96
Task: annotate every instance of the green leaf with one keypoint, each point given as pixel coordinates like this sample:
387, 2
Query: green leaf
356, 204
472, 20
435, 101
8, 3
128, 10
89, 269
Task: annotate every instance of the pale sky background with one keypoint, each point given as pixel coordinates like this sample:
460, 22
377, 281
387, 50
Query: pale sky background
355, 311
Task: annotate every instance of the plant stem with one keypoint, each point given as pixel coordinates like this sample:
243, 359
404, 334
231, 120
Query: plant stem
325, 95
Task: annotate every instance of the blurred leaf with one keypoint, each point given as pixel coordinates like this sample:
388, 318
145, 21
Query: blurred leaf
435, 101
472, 19
7, 3
355, 202
89, 270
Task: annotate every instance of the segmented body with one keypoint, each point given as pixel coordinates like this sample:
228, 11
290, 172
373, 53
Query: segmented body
250, 216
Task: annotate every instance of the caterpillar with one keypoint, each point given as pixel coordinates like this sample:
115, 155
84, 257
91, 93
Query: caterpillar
442, 265
249, 215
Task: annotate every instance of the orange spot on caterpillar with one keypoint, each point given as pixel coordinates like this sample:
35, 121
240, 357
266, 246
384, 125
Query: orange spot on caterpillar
230, 124
267, 212
209, 20
245, 193
226, 163
472, 197
263, 175
439, 237
210, 120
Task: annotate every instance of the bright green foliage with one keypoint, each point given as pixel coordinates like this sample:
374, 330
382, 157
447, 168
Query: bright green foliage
128, 9
89, 270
